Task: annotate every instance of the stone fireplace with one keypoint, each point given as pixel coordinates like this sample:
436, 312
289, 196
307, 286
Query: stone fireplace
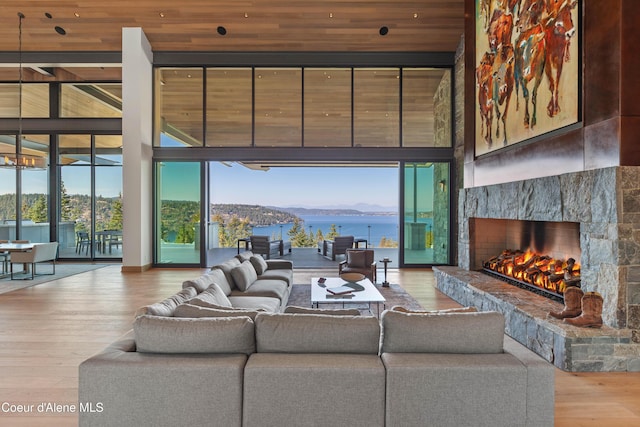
593, 216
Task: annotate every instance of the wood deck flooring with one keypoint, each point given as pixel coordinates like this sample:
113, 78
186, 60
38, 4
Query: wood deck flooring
48, 329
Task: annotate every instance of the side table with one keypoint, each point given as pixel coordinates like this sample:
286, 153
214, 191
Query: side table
385, 261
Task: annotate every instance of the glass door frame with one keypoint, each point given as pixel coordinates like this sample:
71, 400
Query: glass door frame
450, 189
201, 232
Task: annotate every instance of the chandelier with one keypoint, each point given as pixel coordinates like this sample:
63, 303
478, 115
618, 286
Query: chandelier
22, 161
18, 160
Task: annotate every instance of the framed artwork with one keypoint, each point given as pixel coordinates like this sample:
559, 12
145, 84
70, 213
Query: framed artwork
527, 70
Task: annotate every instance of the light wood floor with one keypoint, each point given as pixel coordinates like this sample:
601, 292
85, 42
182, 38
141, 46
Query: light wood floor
47, 330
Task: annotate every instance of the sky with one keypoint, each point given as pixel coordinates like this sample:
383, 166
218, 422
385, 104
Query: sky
305, 186
361, 188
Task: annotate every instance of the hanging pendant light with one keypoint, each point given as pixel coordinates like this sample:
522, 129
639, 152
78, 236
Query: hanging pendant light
17, 160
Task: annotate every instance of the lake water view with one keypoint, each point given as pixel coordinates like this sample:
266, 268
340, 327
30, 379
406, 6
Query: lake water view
370, 227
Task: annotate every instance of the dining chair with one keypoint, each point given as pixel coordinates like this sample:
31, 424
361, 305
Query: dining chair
82, 242
5, 258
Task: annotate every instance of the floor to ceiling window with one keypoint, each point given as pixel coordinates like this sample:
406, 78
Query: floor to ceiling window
24, 192
177, 212
262, 117
90, 202
74, 197
426, 213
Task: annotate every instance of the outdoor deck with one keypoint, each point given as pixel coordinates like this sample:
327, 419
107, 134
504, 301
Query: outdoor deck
305, 257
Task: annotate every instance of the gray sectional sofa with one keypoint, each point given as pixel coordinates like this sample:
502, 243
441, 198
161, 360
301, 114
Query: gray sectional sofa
277, 369
245, 282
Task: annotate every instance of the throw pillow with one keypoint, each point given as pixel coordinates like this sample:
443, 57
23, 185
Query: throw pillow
201, 283
244, 275
259, 264
213, 295
220, 278
167, 306
356, 259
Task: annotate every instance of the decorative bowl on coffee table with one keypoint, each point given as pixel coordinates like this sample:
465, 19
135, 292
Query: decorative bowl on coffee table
352, 277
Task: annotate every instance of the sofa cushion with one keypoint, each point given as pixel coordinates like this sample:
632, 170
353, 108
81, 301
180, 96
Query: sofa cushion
271, 305
259, 264
327, 311
446, 310
244, 275
266, 288
200, 284
220, 278
167, 306
226, 267
284, 275
213, 295
316, 333
244, 256
442, 332
356, 259
190, 310
154, 334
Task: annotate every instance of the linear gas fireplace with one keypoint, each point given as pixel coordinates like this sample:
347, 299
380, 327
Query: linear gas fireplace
577, 228
542, 274
540, 256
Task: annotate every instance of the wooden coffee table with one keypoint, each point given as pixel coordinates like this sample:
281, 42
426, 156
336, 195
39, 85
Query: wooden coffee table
368, 295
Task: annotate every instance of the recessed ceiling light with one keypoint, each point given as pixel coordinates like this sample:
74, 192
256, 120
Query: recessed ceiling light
384, 31
221, 30
246, 15
161, 14
60, 30
76, 14
330, 15
415, 15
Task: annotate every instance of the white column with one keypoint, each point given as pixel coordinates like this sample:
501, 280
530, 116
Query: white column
137, 137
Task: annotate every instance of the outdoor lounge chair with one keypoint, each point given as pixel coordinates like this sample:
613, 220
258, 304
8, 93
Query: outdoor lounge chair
337, 246
266, 247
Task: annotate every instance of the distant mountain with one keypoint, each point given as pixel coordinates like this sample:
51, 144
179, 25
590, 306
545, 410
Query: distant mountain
363, 208
257, 215
297, 211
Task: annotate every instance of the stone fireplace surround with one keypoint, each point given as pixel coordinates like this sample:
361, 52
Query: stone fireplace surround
606, 205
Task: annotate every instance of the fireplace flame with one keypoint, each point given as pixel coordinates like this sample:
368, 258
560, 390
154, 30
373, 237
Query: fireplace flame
536, 270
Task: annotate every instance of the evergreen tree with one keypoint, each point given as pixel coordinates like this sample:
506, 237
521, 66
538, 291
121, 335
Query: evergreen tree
115, 223
234, 229
65, 204
38, 211
297, 234
333, 233
186, 234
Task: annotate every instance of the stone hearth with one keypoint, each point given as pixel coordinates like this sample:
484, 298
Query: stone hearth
569, 348
605, 203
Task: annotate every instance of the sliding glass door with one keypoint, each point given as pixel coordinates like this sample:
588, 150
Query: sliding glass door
178, 212
426, 213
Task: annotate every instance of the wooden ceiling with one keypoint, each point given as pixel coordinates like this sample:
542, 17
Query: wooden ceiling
249, 26
259, 25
